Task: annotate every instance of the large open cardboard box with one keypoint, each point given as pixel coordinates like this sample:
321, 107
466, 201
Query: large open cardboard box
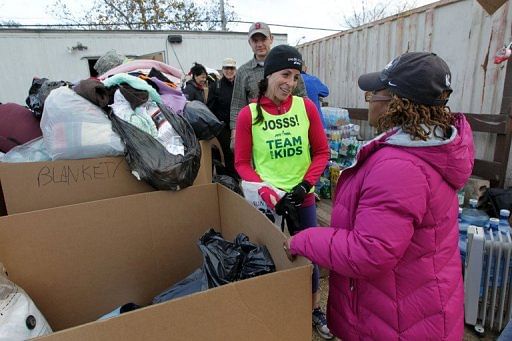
81, 261
32, 186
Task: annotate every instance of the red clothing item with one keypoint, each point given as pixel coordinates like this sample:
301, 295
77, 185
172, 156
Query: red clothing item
318, 141
18, 125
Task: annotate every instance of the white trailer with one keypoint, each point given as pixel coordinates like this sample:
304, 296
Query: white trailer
70, 54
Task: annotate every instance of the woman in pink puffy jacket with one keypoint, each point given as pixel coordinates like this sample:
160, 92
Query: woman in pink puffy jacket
392, 248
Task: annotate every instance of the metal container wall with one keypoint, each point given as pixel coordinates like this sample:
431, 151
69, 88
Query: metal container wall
459, 31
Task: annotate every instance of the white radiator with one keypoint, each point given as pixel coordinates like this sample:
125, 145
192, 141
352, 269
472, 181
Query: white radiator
487, 282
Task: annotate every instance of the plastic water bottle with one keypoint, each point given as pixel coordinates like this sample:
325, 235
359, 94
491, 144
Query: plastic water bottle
494, 226
473, 216
463, 225
460, 197
504, 225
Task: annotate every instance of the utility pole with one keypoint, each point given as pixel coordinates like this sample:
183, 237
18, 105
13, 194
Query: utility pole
222, 15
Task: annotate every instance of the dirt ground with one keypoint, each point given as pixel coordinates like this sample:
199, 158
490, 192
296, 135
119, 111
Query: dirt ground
324, 290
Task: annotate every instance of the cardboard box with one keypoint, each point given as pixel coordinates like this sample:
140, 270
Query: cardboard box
32, 186
81, 261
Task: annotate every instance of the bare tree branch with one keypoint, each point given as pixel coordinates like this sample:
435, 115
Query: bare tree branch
369, 12
119, 12
146, 14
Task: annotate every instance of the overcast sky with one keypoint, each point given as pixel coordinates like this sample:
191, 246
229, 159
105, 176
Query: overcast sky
308, 13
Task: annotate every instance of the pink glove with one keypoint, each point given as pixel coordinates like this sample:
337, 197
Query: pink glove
269, 196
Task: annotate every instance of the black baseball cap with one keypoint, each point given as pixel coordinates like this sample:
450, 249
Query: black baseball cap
419, 76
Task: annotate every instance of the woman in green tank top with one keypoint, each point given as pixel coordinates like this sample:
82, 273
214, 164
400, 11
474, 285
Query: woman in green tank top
280, 141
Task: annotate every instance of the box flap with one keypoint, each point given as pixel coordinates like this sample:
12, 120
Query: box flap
204, 175
32, 186
271, 307
37, 185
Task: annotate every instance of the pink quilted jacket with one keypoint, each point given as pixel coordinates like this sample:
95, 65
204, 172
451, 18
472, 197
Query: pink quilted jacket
393, 245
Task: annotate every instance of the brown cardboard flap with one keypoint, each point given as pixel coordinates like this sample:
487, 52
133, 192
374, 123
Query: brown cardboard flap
491, 6
204, 176
270, 307
32, 186
37, 185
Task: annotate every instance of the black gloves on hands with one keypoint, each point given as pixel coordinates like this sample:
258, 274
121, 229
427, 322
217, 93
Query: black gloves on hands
299, 192
289, 204
288, 210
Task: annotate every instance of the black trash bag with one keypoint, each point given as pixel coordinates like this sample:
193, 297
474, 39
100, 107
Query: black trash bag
39, 90
222, 260
152, 162
257, 261
206, 125
195, 282
229, 182
496, 199
226, 262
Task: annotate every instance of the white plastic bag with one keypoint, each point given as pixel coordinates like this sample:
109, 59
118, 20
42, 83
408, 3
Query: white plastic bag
250, 190
32, 151
167, 136
74, 128
148, 118
138, 118
19, 317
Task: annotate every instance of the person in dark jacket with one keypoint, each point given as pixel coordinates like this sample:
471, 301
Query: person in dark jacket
196, 88
219, 102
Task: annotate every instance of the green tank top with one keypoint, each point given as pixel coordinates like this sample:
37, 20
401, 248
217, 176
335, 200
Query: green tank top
280, 145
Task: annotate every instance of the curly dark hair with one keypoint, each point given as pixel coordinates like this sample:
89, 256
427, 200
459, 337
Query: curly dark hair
417, 119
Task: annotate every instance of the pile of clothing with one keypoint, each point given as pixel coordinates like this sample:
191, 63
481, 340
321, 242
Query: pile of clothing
134, 109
